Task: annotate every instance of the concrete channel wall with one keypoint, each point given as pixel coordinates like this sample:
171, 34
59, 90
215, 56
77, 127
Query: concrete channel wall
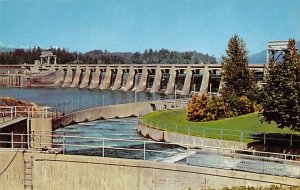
55, 172
111, 111
106, 112
12, 176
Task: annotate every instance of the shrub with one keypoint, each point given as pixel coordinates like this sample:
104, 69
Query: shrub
196, 108
244, 106
216, 109
204, 108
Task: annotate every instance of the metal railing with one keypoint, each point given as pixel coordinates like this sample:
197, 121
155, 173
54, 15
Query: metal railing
224, 134
220, 133
11, 112
73, 105
204, 156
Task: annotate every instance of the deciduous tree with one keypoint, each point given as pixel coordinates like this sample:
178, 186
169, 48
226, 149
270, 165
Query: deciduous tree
281, 101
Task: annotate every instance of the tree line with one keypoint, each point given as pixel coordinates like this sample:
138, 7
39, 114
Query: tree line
277, 100
149, 56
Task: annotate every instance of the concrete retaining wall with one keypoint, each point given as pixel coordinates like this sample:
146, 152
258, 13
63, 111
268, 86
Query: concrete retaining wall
42, 129
159, 135
13, 177
55, 172
106, 112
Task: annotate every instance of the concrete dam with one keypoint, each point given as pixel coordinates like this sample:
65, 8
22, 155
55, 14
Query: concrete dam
181, 79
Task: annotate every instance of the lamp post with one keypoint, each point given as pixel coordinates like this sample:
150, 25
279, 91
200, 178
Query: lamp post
153, 94
66, 106
72, 105
175, 91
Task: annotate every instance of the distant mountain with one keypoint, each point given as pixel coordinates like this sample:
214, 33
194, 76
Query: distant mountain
261, 57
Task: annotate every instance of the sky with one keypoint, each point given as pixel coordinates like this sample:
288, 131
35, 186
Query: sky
135, 25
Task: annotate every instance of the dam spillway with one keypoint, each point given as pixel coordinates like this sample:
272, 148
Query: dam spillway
182, 79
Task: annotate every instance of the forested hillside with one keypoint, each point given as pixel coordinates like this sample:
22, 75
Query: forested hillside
163, 56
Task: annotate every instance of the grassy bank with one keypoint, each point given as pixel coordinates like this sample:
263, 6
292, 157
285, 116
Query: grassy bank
244, 128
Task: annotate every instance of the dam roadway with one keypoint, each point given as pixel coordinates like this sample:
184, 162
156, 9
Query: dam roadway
162, 66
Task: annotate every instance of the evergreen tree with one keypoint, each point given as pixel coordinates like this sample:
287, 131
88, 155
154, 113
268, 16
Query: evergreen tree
281, 101
238, 79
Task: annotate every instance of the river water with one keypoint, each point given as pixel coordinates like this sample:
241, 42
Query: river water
68, 99
120, 138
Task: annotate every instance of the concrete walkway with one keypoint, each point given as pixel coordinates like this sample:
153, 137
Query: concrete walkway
8, 121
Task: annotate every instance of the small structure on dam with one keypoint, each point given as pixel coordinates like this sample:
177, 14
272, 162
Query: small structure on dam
46, 57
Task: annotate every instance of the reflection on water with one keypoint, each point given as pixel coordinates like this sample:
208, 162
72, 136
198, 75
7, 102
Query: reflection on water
50, 96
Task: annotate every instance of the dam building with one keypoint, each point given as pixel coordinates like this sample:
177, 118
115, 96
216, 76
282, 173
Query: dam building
183, 79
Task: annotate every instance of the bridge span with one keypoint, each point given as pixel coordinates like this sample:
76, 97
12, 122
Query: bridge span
164, 78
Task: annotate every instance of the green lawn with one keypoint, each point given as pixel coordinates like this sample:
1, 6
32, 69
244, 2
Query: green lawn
239, 128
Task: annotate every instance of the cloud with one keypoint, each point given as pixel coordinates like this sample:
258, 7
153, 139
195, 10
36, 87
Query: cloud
5, 45
2, 44
24, 46
55, 47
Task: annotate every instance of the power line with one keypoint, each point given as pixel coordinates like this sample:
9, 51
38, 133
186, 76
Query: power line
10, 162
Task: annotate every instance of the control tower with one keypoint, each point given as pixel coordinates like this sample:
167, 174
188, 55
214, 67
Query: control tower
275, 51
47, 57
